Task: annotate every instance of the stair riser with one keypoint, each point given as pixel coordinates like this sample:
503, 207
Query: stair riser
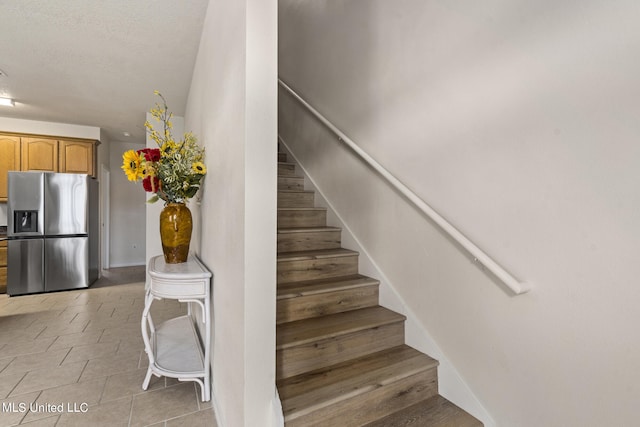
295, 200
312, 269
376, 404
301, 218
308, 357
282, 157
286, 169
308, 241
290, 183
305, 307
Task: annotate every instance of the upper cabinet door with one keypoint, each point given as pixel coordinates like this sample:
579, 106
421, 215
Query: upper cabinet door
9, 161
39, 154
76, 157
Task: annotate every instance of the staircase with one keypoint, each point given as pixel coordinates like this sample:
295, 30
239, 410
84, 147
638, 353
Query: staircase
341, 358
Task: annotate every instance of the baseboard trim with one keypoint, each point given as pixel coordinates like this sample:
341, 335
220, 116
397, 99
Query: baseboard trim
125, 264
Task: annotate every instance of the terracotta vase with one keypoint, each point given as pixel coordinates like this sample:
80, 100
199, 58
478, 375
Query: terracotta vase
176, 225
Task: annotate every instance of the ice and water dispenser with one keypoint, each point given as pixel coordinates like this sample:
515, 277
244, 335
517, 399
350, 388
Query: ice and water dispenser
25, 222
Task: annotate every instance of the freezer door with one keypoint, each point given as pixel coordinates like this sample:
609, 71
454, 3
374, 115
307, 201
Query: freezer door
25, 204
25, 266
66, 263
65, 204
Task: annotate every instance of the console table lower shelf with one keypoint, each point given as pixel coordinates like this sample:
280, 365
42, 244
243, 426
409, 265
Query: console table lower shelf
177, 351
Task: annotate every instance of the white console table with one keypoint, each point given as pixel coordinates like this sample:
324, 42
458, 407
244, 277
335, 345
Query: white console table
174, 347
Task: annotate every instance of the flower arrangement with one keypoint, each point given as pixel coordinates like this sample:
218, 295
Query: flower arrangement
175, 169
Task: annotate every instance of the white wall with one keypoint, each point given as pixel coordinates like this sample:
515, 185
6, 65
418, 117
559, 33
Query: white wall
9, 124
232, 110
516, 121
103, 174
128, 212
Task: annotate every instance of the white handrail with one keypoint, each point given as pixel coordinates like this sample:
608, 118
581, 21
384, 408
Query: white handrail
479, 256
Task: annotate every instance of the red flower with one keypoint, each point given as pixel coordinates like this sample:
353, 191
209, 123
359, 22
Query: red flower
150, 154
151, 184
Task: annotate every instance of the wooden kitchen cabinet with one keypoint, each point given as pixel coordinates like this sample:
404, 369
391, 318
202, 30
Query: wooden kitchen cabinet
9, 161
77, 157
39, 154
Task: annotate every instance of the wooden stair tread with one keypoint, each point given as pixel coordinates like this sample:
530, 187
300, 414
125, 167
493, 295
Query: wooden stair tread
290, 230
308, 392
433, 412
316, 254
303, 209
313, 287
286, 177
306, 331
295, 191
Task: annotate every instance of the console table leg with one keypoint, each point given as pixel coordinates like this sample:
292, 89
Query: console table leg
145, 384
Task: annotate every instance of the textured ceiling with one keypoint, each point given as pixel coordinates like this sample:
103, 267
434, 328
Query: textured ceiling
97, 62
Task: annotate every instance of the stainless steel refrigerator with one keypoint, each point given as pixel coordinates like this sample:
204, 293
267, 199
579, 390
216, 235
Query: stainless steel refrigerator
52, 230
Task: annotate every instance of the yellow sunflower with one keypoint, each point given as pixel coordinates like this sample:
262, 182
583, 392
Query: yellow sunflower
131, 165
199, 168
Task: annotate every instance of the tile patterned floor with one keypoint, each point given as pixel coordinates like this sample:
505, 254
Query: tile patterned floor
76, 358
